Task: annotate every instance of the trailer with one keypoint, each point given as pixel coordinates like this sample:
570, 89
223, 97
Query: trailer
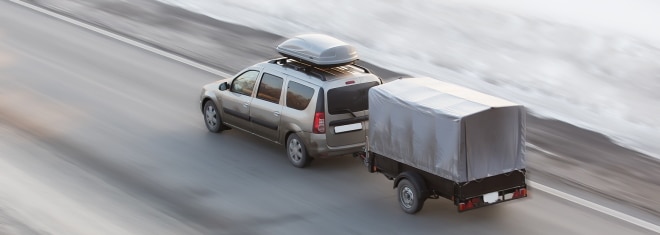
440, 140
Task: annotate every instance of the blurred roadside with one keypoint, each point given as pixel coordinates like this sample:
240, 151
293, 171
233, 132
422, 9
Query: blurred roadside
63, 194
572, 156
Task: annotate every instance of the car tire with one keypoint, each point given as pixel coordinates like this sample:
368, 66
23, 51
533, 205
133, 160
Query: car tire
297, 152
410, 196
212, 117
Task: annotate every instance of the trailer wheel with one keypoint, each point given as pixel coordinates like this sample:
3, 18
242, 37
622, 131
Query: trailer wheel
410, 197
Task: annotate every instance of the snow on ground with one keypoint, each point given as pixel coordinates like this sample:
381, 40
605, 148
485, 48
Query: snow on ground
592, 63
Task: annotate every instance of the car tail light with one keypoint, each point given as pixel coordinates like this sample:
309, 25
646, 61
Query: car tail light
319, 123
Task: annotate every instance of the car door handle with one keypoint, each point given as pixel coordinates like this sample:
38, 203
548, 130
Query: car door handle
276, 113
246, 105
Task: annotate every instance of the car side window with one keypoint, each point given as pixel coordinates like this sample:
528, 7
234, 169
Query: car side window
244, 83
298, 95
270, 88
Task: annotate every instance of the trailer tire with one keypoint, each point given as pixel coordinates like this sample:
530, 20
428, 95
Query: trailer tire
410, 195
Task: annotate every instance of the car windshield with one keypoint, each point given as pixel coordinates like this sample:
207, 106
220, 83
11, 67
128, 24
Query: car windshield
349, 99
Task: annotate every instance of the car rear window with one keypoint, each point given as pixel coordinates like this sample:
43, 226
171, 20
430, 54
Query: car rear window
349, 99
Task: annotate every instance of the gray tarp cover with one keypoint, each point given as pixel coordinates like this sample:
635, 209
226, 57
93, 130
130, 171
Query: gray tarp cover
447, 130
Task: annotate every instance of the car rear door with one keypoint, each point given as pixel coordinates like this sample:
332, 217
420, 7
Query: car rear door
347, 114
266, 107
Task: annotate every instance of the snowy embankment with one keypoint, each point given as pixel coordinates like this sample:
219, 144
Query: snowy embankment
594, 64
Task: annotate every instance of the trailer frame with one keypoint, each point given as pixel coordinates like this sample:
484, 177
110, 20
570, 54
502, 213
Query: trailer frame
465, 195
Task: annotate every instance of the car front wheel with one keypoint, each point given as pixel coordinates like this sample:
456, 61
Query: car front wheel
212, 117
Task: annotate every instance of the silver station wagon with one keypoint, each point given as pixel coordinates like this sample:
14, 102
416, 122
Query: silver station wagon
313, 100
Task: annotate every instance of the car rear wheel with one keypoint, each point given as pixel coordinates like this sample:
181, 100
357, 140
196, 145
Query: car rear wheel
297, 152
212, 117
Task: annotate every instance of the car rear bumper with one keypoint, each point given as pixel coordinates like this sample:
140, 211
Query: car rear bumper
317, 146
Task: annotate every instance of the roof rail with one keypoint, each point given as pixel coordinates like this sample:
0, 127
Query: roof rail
307, 68
362, 67
299, 66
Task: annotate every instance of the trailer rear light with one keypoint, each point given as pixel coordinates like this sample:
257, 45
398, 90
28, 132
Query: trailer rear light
486, 200
319, 123
469, 204
522, 192
464, 206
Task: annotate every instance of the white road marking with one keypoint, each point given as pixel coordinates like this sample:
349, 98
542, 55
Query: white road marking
596, 207
543, 151
588, 204
123, 39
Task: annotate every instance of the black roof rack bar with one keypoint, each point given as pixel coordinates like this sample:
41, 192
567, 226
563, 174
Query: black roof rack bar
307, 68
299, 66
321, 76
281, 60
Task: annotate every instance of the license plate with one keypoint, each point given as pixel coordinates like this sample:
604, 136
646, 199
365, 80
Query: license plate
347, 128
491, 197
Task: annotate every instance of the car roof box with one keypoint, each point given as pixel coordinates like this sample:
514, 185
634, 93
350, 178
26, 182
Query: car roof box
319, 50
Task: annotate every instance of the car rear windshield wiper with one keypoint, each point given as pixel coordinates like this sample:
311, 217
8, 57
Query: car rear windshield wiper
346, 110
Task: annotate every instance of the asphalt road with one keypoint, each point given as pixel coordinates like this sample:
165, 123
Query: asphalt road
110, 134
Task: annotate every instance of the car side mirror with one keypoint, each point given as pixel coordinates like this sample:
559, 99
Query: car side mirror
223, 86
